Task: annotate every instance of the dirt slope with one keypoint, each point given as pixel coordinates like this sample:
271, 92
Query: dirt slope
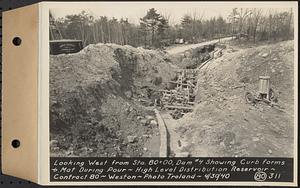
96, 97
222, 124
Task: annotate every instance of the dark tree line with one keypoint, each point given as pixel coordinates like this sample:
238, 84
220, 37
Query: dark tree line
154, 29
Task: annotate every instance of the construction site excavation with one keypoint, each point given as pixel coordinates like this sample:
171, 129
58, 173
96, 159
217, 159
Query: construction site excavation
197, 88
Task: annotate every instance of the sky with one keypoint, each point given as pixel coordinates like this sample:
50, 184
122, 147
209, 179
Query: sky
174, 10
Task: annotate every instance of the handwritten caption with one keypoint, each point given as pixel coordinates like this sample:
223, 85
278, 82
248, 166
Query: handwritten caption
171, 169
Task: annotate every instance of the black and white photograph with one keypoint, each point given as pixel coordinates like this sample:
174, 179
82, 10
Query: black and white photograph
171, 79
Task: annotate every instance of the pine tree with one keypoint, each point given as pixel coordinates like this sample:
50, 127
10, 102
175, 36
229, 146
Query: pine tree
186, 24
151, 23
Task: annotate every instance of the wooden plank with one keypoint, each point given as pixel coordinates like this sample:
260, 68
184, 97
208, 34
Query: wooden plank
163, 149
187, 84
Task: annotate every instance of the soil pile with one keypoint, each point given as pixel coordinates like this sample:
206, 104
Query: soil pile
223, 124
101, 98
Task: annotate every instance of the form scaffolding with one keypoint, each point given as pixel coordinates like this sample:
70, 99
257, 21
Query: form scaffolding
181, 97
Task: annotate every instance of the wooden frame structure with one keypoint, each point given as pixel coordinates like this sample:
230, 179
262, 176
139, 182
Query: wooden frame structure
183, 95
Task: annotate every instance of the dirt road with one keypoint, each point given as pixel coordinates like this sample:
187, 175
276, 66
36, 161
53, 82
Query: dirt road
182, 48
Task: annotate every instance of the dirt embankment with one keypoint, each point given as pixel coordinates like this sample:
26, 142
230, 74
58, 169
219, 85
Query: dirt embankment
223, 124
100, 99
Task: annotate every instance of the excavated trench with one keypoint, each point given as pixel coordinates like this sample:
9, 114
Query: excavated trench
179, 97
102, 100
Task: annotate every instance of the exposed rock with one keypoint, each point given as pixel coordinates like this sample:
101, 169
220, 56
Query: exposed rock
55, 149
132, 139
147, 136
53, 143
222, 144
144, 122
153, 123
128, 94
148, 117
71, 152
157, 80
182, 154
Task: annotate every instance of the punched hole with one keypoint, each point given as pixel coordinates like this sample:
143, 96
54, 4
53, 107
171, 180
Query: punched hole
15, 143
17, 41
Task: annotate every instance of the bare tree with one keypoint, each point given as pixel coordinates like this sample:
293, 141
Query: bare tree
256, 13
290, 20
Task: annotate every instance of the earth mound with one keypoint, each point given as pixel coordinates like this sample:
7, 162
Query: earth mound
223, 124
101, 100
